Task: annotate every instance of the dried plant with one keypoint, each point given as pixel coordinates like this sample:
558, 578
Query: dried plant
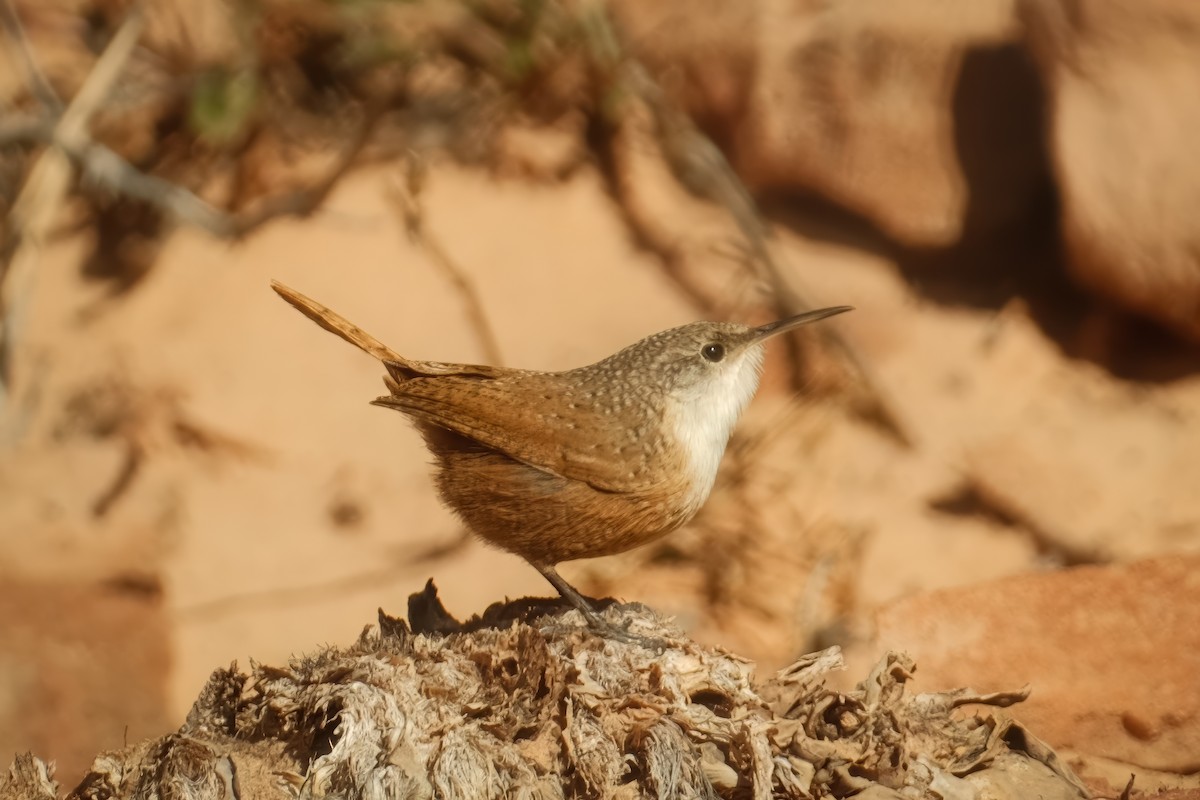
523, 702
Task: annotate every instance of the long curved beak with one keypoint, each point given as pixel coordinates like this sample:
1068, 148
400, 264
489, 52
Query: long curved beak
784, 325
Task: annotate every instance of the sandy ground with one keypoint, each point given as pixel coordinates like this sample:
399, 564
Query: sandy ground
298, 509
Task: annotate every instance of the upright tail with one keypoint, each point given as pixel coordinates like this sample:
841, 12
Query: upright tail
335, 323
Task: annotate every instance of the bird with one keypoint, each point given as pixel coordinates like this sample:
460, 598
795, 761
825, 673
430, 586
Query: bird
580, 463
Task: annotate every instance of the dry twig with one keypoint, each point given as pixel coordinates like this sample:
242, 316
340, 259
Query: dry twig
44, 192
103, 167
703, 169
69, 145
700, 166
607, 142
38, 84
404, 192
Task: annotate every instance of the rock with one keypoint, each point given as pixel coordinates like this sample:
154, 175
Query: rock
67, 689
921, 116
1125, 107
1111, 654
1092, 469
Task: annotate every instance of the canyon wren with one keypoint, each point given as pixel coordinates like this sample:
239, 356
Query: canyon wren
555, 466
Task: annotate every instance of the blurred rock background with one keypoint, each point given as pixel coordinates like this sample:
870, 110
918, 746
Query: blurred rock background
991, 463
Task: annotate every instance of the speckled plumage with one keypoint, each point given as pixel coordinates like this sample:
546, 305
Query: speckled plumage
555, 466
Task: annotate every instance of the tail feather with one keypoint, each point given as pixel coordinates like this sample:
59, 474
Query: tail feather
336, 324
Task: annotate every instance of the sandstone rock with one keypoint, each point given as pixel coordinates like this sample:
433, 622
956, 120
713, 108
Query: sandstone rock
1125, 108
83, 667
1111, 654
921, 116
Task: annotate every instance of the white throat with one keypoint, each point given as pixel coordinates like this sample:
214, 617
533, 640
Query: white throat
703, 420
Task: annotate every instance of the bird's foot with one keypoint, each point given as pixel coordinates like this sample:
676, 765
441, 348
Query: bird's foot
619, 633
597, 623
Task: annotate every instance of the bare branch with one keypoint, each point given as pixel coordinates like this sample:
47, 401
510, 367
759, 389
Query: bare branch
17, 128
102, 167
611, 151
46, 187
70, 145
302, 202
405, 195
38, 84
702, 168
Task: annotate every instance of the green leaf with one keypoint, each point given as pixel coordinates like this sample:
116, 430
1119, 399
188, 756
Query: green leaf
223, 102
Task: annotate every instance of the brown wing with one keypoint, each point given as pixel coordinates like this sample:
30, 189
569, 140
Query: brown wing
476, 401
603, 452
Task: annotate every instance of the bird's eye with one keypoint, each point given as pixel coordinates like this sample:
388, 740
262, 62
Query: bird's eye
713, 351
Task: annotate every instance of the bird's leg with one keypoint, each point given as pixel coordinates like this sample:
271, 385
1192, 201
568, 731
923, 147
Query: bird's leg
571, 595
594, 621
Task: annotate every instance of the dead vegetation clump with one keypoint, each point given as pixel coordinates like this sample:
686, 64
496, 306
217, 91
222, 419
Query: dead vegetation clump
525, 702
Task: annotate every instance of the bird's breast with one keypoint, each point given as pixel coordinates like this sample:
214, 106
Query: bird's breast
701, 432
